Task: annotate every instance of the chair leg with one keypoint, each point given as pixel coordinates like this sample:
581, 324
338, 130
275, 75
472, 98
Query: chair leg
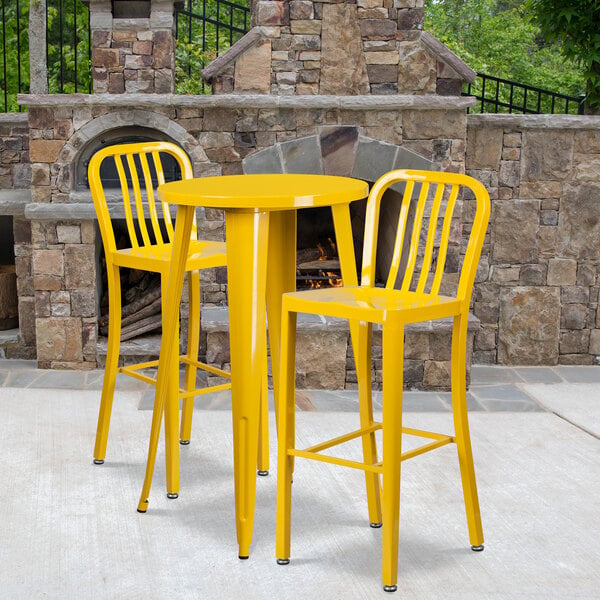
170, 340
112, 363
262, 462
286, 436
187, 409
172, 406
362, 360
393, 362
461, 429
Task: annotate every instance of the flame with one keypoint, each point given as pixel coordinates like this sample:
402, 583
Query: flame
334, 279
326, 278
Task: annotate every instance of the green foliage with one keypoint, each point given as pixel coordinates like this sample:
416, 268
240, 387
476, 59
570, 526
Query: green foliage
497, 38
205, 30
68, 47
189, 62
14, 79
575, 24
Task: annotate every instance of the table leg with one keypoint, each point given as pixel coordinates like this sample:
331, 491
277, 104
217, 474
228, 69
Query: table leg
262, 460
171, 404
170, 327
281, 274
247, 237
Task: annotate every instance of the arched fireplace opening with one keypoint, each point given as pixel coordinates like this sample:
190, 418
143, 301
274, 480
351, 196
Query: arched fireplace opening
120, 135
140, 290
339, 151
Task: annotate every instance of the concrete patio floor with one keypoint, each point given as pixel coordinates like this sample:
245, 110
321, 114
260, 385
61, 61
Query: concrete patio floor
69, 528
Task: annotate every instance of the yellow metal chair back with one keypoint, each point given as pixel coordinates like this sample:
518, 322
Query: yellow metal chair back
140, 169
434, 197
411, 293
136, 164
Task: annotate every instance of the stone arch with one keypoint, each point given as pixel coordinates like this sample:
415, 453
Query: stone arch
91, 131
335, 151
343, 151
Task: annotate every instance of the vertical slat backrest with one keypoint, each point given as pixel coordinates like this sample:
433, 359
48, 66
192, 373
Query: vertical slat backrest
134, 164
151, 203
434, 198
140, 217
160, 174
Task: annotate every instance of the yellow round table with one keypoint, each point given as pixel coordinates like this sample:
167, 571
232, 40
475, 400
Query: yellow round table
260, 222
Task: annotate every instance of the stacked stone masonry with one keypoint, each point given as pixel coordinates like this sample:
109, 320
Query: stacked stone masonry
130, 61
394, 93
132, 55
327, 48
58, 280
537, 287
426, 364
15, 171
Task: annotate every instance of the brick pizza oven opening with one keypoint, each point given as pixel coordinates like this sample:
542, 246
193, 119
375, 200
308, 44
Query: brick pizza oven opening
140, 290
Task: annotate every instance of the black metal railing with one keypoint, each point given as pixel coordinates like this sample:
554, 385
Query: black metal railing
497, 95
204, 29
15, 53
68, 49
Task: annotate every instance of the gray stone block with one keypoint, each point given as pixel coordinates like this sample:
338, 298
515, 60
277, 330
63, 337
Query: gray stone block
265, 161
528, 331
373, 159
406, 159
302, 156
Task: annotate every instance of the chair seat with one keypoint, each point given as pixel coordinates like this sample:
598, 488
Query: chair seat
202, 255
376, 305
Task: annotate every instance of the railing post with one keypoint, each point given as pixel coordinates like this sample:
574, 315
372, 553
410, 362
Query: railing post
581, 107
483, 80
38, 68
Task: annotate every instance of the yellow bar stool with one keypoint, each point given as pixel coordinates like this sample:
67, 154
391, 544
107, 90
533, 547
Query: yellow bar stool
141, 168
433, 198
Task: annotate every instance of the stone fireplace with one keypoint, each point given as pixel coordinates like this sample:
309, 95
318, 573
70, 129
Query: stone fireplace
285, 99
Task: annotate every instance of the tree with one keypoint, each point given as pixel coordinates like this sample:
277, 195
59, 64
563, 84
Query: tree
14, 48
497, 38
576, 25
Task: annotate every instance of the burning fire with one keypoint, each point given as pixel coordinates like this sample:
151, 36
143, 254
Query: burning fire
330, 278
326, 278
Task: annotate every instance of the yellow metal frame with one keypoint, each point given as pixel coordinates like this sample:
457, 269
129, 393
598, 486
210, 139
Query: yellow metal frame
151, 250
313, 452
260, 219
435, 198
133, 371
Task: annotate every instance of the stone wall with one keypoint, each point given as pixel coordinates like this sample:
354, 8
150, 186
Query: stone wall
15, 181
14, 152
537, 287
58, 278
347, 47
132, 55
426, 350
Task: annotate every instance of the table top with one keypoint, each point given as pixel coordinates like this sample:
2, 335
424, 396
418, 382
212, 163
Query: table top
264, 192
